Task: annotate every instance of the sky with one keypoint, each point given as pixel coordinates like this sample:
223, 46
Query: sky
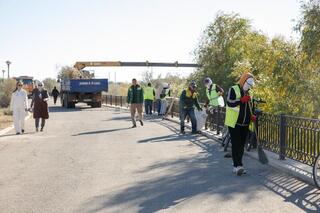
40, 36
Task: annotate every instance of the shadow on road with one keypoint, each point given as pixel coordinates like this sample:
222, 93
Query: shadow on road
13, 134
206, 174
124, 118
53, 109
101, 131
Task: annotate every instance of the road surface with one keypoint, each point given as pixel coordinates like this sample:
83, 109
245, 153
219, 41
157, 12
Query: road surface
90, 160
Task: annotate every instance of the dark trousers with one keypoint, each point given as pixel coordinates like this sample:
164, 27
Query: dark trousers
158, 102
238, 139
37, 121
190, 113
148, 106
55, 99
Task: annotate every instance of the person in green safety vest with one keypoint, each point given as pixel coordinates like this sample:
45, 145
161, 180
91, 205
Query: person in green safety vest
189, 100
213, 92
149, 95
238, 118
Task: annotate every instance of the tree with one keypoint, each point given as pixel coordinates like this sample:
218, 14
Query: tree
50, 83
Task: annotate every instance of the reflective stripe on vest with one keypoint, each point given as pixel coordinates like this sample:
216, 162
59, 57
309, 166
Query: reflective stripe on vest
232, 113
148, 93
213, 96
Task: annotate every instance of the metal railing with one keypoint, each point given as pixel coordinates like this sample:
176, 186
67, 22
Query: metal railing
289, 136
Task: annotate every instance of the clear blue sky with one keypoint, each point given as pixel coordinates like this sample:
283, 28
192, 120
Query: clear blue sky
40, 35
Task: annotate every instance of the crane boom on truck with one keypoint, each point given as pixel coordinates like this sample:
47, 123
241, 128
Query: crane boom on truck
82, 64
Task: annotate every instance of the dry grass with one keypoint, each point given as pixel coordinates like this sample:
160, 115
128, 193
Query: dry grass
5, 120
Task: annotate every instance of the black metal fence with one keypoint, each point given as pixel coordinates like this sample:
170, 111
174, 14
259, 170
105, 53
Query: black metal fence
289, 136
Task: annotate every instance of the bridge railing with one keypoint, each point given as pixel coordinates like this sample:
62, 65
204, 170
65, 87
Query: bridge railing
291, 137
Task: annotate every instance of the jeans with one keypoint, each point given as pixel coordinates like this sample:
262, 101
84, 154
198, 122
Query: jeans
190, 113
158, 102
148, 106
238, 139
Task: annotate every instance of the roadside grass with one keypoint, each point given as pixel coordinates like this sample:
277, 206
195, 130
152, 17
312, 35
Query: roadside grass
5, 118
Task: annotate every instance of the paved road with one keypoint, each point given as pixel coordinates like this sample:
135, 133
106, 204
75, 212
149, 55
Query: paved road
88, 160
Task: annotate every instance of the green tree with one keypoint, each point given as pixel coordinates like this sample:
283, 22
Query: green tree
50, 83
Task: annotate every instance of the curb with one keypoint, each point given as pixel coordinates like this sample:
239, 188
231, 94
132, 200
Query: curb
8, 129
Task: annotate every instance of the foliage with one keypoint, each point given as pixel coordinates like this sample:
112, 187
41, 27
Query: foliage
286, 76
50, 83
6, 88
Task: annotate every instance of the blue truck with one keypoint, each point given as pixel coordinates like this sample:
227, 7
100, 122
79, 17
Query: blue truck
82, 90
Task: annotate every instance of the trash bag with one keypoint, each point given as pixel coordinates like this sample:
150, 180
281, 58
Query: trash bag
221, 101
164, 105
201, 117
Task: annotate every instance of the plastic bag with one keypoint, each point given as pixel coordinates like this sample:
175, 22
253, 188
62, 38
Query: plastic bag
164, 105
201, 117
221, 101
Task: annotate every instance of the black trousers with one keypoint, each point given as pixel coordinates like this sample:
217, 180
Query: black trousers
55, 99
37, 121
238, 139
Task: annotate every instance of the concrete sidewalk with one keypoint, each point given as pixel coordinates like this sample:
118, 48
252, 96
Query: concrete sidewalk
292, 167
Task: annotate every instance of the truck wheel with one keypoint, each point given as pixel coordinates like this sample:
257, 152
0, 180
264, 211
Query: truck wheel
71, 105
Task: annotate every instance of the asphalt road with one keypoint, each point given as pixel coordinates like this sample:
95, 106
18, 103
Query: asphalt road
89, 160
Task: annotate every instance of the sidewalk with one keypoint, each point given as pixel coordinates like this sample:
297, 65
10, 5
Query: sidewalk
289, 166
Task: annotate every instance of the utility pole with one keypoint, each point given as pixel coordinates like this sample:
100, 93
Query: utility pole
8, 64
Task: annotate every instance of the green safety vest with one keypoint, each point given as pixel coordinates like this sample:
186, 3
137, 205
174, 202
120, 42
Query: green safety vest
232, 113
213, 96
148, 93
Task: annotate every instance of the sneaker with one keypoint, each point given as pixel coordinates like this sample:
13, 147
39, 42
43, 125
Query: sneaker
244, 171
37, 129
234, 170
18, 133
141, 122
196, 132
41, 130
239, 170
182, 132
134, 126
22, 131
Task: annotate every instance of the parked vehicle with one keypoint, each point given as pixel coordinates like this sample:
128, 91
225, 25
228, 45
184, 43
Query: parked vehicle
28, 84
82, 90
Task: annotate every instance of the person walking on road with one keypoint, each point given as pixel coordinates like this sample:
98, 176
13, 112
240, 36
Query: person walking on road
213, 92
135, 99
19, 107
238, 117
55, 93
149, 95
40, 106
189, 99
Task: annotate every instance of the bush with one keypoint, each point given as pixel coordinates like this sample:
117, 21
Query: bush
6, 89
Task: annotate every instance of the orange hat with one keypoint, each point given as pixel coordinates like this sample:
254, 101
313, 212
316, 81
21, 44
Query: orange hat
244, 78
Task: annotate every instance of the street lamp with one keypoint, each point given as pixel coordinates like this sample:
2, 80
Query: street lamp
3, 71
8, 64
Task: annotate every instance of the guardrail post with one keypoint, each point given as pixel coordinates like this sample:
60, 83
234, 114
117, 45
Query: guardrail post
106, 99
121, 100
111, 100
282, 133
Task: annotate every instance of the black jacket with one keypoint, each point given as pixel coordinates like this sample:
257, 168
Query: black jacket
244, 114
